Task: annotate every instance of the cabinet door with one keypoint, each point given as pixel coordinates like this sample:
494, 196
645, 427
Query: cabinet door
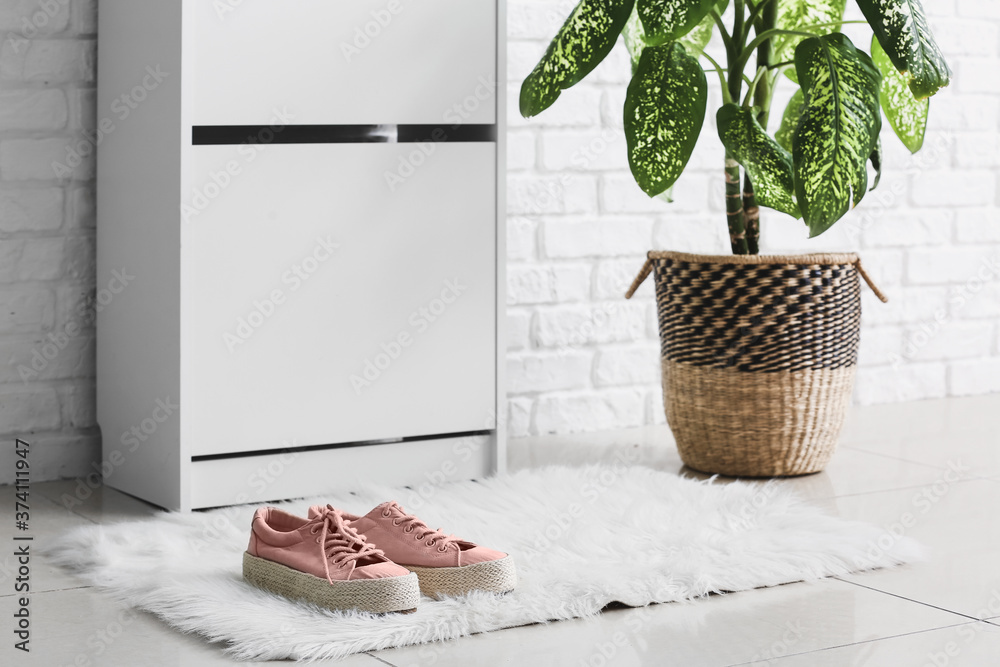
333, 295
330, 62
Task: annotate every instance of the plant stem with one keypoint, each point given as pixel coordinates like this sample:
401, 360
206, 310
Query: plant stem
751, 216
734, 56
752, 89
763, 90
771, 32
739, 12
722, 77
735, 218
726, 39
754, 13
734, 207
763, 38
783, 63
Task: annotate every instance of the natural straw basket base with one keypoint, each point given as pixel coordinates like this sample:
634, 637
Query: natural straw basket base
758, 357
778, 424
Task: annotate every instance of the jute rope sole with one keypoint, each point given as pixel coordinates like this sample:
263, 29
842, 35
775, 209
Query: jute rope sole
377, 596
494, 576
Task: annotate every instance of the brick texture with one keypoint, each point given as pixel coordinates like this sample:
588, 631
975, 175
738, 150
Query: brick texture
47, 102
929, 235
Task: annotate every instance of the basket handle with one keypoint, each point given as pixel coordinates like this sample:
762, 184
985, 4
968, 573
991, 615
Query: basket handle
639, 279
868, 279
647, 268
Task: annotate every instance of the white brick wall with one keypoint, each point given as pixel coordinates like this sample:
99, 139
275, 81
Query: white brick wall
930, 236
580, 357
46, 233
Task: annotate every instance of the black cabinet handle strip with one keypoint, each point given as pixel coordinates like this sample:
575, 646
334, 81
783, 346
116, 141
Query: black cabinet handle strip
215, 135
340, 445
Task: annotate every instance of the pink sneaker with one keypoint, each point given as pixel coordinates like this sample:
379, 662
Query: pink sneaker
324, 561
445, 564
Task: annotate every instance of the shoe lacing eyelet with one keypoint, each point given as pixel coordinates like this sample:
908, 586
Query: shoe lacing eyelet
395, 522
386, 513
430, 543
408, 529
442, 548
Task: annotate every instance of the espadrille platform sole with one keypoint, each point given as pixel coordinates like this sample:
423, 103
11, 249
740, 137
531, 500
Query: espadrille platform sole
493, 576
378, 596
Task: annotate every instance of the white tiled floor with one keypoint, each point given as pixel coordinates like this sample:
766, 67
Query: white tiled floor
894, 463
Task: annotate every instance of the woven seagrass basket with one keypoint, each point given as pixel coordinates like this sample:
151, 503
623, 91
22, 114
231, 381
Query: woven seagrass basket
758, 357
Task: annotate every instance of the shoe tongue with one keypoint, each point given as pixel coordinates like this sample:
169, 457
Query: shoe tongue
318, 510
386, 506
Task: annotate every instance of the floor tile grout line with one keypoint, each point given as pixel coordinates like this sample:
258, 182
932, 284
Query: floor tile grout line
901, 488
903, 597
858, 643
820, 499
56, 502
94, 521
54, 590
68, 588
855, 448
384, 662
83, 516
60, 506
919, 463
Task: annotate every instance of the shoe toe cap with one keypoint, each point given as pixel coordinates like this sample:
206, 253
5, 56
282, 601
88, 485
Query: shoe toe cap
481, 555
379, 571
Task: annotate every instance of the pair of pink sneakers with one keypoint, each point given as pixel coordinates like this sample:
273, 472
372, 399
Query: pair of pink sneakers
379, 562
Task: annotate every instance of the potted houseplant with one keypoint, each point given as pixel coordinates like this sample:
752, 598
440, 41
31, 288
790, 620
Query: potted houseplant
759, 352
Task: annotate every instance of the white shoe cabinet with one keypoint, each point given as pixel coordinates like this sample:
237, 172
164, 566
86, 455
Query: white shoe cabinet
308, 197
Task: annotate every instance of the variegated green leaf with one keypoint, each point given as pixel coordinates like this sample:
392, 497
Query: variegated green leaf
796, 15
901, 28
906, 114
838, 130
695, 41
667, 20
699, 36
634, 38
876, 160
768, 164
790, 121
667, 195
587, 36
664, 113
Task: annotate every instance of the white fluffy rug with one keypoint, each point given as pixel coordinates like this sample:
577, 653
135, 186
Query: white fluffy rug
581, 538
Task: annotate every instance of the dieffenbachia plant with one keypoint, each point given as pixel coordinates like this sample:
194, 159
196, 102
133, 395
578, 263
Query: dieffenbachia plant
815, 166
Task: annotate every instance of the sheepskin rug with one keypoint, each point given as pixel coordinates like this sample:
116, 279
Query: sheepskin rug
581, 538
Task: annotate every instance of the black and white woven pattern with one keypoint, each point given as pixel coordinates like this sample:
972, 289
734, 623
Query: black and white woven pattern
758, 317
